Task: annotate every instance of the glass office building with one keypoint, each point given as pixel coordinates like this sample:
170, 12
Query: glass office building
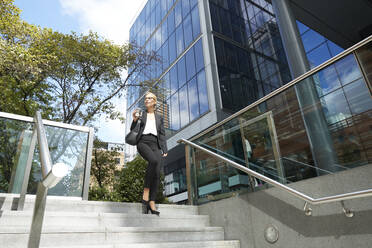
219, 56
172, 29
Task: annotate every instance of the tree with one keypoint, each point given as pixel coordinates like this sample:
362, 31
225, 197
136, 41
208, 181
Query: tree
104, 173
103, 166
24, 64
72, 78
131, 182
89, 75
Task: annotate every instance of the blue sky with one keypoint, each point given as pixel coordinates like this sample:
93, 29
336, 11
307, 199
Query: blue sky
109, 18
48, 13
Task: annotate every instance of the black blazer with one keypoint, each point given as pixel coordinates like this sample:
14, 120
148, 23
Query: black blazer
162, 143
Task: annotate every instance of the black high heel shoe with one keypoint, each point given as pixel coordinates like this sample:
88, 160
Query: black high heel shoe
151, 210
154, 211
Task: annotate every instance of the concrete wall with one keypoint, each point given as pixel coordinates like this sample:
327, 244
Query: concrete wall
245, 217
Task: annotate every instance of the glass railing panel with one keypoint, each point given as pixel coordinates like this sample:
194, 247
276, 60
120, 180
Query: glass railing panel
175, 182
15, 140
66, 146
215, 179
319, 126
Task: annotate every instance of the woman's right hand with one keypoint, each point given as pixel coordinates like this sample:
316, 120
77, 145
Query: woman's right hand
135, 116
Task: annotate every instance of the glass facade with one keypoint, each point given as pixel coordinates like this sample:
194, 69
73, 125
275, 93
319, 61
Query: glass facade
318, 49
180, 77
171, 29
251, 63
272, 138
250, 56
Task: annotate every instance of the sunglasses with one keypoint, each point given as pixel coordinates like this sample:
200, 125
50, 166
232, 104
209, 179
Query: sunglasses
149, 98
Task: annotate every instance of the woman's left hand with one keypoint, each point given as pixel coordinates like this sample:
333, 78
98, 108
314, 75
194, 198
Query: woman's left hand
165, 154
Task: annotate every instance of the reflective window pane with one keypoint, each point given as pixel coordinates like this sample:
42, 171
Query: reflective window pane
327, 80
163, 7
318, 55
173, 79
225, 22
193, 3
301, 27
187, 30
190, 64
157, 14
231, 56
215, 18
165, 56
203, 93
181, 68
193, 99
219, 48
184, 106
347, 69
364, 55
152, 21
185, 7
179, 40
166, 85
171, 24
157, 39
199, 58
311, 39
335, 107
164, 31
195, 22
170, 4
175, 122
168, 118
358, 97
172, 48
178, 13
334, 48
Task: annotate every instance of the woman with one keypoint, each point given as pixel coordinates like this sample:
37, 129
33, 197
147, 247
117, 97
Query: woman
151, 146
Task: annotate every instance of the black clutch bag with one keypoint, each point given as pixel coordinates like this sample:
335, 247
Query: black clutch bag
131, 137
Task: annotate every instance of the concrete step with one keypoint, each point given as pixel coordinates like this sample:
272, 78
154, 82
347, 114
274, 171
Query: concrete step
74, 204
195, 244
16, 237
23, 218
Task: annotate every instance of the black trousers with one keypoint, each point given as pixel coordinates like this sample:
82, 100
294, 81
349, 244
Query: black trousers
148, 148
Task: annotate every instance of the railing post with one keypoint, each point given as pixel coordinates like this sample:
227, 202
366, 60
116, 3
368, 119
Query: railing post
188, 175
38, 216
88, 160
26, 178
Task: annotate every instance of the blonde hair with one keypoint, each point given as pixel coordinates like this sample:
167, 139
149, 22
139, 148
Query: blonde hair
153, 96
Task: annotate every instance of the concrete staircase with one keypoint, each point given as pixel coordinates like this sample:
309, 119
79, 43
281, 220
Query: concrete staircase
73, 223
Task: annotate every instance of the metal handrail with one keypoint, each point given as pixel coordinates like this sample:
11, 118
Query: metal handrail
51, 175
288, 85
46, 122
302, 196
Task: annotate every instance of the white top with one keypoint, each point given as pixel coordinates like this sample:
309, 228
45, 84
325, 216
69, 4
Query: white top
150, 127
